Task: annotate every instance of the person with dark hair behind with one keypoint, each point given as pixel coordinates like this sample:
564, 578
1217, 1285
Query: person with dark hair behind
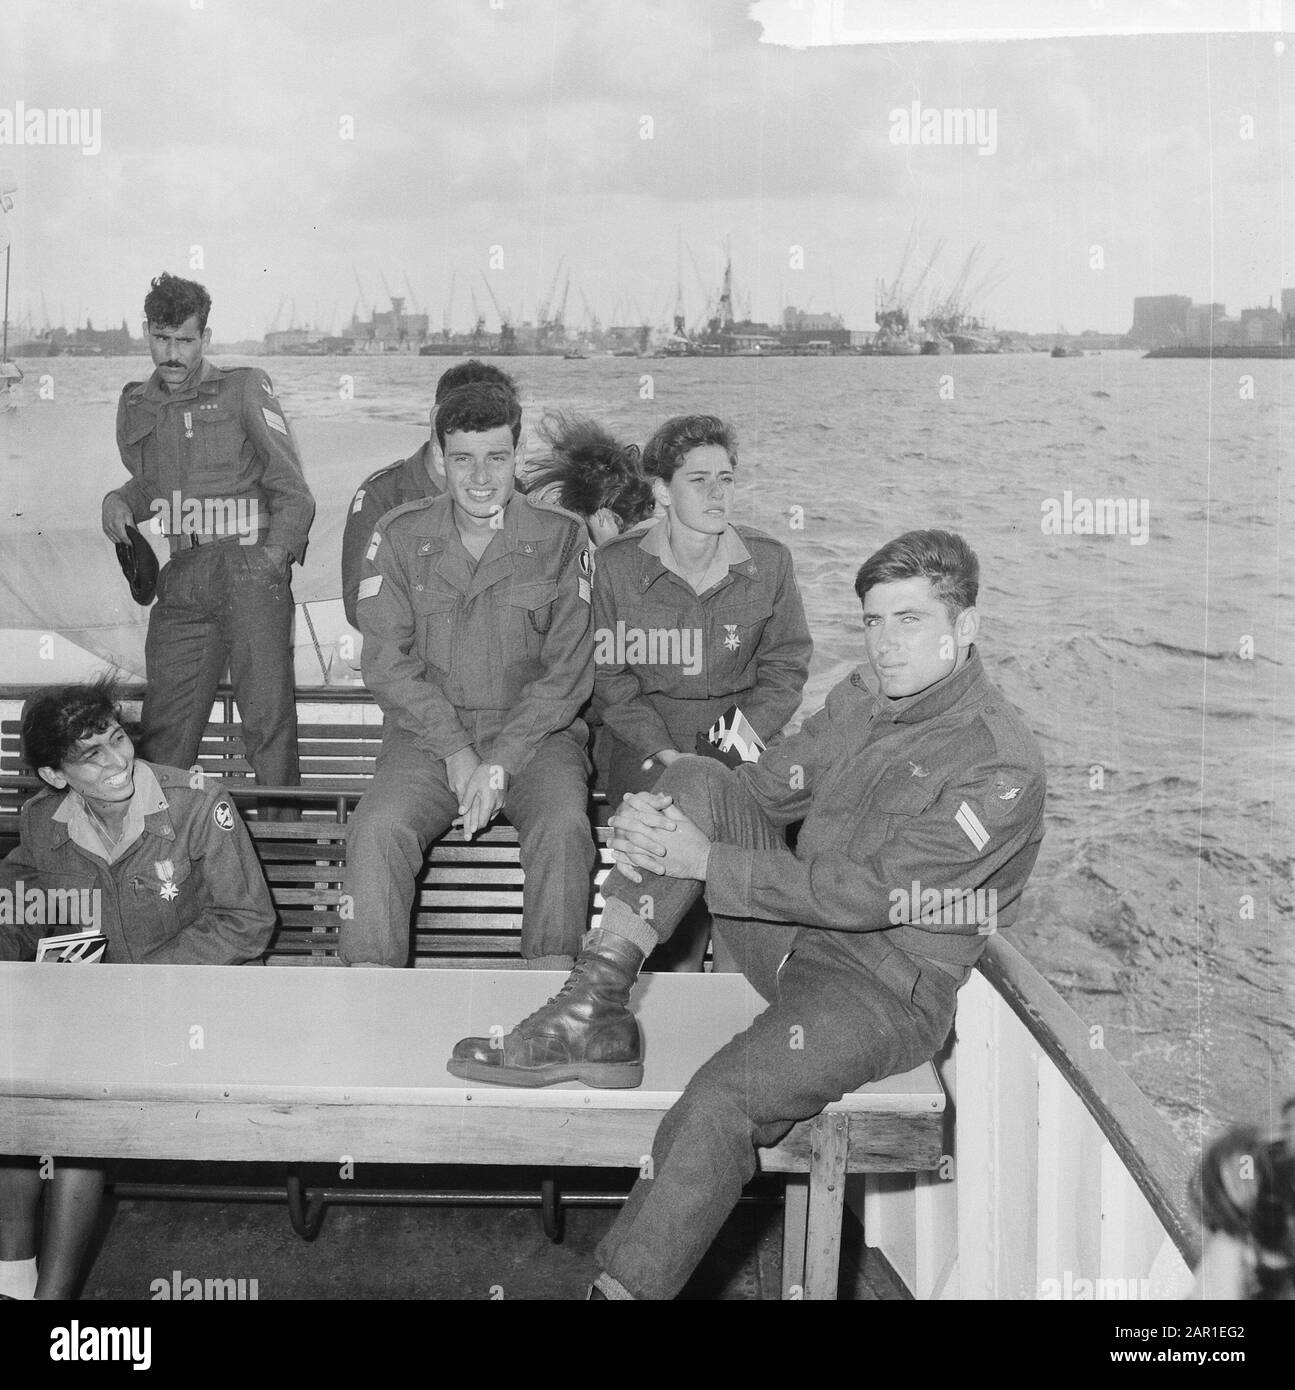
921, 804
691, 617
591, 474
1243, 1192
474, 608
406, 480
170, 877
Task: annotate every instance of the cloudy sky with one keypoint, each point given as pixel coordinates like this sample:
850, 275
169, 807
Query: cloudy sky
304, 143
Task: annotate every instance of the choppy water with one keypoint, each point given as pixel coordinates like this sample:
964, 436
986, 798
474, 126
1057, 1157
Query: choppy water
1162, 905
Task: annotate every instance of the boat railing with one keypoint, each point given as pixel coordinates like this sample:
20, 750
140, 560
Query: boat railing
1061, 1181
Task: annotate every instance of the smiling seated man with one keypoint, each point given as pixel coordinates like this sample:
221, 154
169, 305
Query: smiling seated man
922, 809
171, 877
478, 646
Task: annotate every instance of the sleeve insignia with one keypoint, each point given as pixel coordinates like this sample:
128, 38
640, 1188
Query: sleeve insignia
370, 586
275, 422
223, 814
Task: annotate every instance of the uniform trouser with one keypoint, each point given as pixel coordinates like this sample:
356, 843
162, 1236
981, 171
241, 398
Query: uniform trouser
409, 804
844, 1009
218, 605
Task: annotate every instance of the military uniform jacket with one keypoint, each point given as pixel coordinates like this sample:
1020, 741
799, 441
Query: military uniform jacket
222, 437
189, 891
754, 642
406, 480
495, 657
906, 803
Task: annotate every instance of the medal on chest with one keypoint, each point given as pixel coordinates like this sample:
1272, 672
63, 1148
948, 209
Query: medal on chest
166, 873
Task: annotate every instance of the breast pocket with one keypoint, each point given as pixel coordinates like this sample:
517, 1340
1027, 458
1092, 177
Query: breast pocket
161, 902
436, 617
891, 811
217, 444
70, 900
736, 631
530, 616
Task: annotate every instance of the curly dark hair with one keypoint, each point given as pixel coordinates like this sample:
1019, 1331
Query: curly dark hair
470, 372
591, 469
478, 407
56, 719
172, 300
674, 440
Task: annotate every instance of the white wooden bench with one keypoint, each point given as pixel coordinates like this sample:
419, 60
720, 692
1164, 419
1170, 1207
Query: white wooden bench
347, 1066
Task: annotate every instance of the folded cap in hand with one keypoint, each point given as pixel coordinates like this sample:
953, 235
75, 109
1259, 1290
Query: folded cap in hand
139, 565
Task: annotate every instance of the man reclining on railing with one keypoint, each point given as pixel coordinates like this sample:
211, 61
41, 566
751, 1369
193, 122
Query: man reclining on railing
169, 875
922, 810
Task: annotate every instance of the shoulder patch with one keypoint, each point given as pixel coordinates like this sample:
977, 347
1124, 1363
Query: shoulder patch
373, 545
358, 502
586, 562
267, 386
223, 814
275, 422
1008, 791
370, 586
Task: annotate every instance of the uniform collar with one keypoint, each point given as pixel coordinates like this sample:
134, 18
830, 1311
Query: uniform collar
147, 800
417, 476
732, 554
440, 536
967, 683
207, 381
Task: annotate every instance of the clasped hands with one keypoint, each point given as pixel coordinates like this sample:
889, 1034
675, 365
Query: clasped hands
651, 833
480, 788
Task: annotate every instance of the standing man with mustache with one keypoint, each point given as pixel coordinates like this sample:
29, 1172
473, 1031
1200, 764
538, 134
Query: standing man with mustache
209, 450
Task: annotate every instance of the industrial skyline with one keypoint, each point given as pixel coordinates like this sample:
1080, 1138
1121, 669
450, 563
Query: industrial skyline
471, 147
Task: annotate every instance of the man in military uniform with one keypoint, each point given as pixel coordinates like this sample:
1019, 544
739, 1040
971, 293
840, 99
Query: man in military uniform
922, 810
406, 480
475, 612
170, 877
209, 451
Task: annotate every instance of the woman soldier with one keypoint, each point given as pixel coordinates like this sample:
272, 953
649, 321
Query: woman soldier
692, 616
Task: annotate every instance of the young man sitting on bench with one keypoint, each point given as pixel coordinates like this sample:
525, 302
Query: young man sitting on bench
922, 809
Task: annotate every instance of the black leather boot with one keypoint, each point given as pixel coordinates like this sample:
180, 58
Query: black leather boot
584, 1033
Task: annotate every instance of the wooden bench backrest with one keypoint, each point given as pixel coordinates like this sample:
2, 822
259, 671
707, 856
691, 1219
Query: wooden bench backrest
468, 907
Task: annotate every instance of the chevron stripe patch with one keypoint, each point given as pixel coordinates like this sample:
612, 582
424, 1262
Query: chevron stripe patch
971, 826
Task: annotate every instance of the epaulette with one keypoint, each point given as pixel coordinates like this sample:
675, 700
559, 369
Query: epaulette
753, 533
542, 504
382, 472
418, 504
